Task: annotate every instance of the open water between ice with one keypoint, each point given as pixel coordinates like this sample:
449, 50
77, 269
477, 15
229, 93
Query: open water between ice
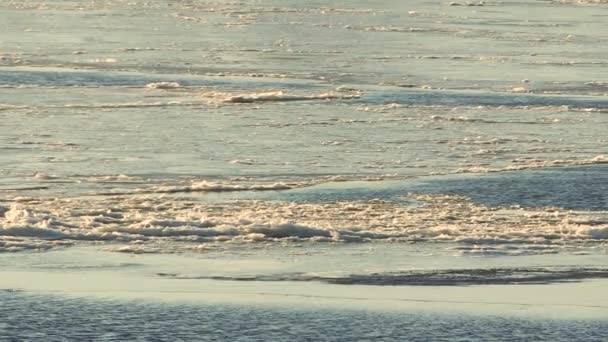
54, 318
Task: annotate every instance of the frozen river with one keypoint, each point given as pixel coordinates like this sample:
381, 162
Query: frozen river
416, 144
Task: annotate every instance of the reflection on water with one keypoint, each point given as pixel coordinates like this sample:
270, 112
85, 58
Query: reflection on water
48, 318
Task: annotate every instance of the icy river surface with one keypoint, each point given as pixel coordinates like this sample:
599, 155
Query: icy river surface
388, 144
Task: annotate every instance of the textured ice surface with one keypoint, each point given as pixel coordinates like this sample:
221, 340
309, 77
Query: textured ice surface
172, 125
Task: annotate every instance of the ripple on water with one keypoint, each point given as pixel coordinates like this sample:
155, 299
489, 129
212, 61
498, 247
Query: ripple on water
36, 317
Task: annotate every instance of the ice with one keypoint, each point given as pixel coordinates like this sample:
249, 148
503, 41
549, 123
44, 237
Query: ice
447, 277
208, 186
163, 85
537, 164
278, 96
166, 125
165, 222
